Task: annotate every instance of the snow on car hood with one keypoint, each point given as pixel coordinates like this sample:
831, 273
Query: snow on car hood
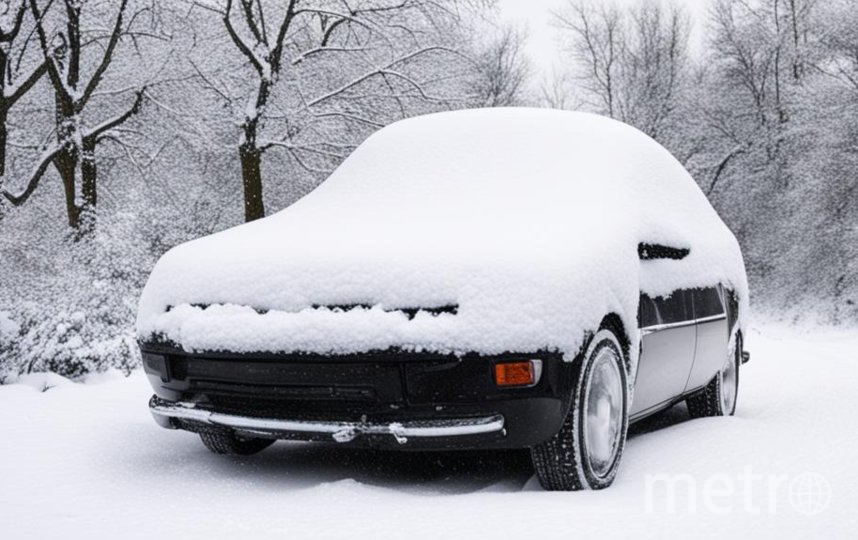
523, 222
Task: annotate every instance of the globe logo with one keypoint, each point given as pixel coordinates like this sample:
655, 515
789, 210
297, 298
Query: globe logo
809, 493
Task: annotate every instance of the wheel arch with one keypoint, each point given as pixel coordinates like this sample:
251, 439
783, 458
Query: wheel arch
614, 323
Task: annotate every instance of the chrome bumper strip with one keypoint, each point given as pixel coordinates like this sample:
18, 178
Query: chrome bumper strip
339, 431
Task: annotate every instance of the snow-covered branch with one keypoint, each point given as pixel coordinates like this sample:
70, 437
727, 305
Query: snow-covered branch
111, 123
242, 46
44, 162
106, 58
14, 92
386, 69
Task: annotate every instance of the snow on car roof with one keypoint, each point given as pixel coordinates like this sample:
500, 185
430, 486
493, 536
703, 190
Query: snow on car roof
527, 220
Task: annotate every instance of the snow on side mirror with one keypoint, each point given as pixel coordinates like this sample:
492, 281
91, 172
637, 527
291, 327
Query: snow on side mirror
649, 252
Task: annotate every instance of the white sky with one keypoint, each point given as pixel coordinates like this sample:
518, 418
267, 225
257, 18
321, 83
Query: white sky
542, 46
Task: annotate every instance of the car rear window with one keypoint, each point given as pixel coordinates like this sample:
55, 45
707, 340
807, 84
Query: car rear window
675, 308
707, 302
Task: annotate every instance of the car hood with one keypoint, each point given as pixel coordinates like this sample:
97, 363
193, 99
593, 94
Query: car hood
347, 287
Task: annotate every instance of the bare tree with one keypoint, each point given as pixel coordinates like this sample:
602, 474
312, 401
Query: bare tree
759, 62
595, 45
631, 65
555, 90
503, 70
840, 42
73, 153
15, 80
323, 69
655, 66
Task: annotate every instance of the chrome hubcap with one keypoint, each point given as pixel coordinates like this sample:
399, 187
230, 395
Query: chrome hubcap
729, 385
603, 417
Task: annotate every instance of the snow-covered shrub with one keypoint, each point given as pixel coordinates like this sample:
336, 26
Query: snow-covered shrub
9, 332
71, 308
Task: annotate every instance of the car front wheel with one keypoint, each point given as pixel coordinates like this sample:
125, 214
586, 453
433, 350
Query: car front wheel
585, 453
228, 442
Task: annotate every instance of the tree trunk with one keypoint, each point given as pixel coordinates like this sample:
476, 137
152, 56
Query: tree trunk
251, 173
66, 164
3, 135
89, 184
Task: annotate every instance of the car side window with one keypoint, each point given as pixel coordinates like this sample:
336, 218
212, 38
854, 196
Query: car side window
675, 308
707, 302
647, 313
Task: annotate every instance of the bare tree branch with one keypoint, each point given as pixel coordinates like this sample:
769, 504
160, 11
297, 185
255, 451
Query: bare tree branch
53, 70
44, 162
378, 71
236, 39
106, 58
28, 83
120, 119
277, 51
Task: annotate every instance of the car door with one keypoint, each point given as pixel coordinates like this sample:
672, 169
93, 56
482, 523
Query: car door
668, 340
712, 335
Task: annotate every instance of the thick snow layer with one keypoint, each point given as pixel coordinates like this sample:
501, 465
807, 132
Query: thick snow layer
527, 219
87, 461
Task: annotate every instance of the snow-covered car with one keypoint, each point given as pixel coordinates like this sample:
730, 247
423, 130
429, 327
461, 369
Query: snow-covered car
506, 278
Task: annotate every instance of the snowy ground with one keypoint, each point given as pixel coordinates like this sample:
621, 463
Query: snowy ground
86, 461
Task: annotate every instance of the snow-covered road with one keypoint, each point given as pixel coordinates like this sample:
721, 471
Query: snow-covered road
87, 461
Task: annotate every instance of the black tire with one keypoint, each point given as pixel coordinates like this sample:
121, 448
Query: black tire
227, 442
709, 402
562, 462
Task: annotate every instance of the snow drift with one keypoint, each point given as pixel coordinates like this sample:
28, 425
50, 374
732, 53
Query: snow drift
527, 221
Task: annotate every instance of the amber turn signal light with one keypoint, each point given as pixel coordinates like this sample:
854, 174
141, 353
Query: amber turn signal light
517, 373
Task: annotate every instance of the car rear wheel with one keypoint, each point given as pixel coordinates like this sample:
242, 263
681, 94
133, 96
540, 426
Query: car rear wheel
719, 396
228, 442
586, 452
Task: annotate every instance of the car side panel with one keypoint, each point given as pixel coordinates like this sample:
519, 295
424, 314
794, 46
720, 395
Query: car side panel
712, 336
667, 350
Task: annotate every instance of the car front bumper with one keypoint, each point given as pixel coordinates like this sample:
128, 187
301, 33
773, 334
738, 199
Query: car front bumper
342, 432
391, 399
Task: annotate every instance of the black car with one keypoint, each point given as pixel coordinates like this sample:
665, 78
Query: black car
242, 338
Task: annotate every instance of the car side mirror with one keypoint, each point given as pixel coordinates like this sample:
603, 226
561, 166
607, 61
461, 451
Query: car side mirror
649, 252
